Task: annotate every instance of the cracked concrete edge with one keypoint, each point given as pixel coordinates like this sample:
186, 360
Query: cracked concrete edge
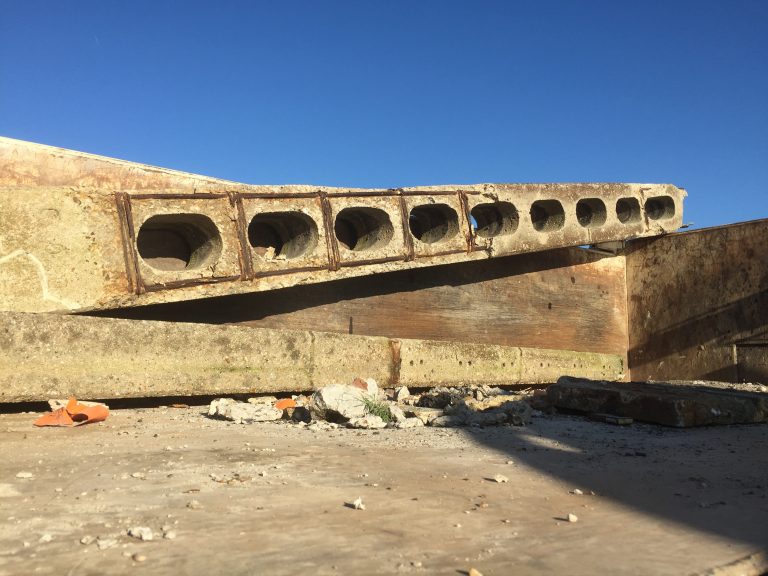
46, 356
755, 564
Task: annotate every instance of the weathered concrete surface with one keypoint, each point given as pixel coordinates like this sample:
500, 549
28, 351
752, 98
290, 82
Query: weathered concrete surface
666, 503
676, 404
46, 356
752, 361
80, 232
697, 300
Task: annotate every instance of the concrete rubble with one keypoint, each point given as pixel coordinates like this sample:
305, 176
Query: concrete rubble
243, 412
362, 404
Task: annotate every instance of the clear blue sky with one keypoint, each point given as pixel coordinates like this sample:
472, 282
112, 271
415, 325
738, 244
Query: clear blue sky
396, 93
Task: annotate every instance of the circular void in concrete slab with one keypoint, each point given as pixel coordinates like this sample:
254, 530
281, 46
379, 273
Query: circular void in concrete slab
363, 228
660, 208
176, 242
284, 235
547, 215
431, 223
628, 210
591, 212
495, 219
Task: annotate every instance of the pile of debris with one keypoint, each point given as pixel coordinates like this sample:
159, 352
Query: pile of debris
363, 404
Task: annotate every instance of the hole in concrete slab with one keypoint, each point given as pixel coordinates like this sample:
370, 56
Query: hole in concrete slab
173, 242
430, 223
363, 228
282, 234
628, 210
547, 215
495, 219
660, 208
591, 212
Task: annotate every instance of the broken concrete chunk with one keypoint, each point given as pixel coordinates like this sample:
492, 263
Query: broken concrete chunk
338, 402
356, 504
442, 397
141, 533
317, 425
490, 418
396, 413
368, 422
678, 405
368, 385
105, 543
401, 393
426, 415
447, 421
242, 412
410, 423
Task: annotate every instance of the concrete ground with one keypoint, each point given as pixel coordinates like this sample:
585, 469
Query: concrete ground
270, 498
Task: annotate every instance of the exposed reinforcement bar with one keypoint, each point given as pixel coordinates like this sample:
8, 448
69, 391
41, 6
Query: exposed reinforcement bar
89, 247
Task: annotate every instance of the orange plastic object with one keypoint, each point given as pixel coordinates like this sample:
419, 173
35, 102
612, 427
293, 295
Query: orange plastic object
74, 414
285, 403
58, 417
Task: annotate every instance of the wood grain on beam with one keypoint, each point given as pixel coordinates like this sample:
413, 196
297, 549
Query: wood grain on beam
567, 299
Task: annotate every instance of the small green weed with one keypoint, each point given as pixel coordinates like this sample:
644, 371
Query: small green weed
377, 408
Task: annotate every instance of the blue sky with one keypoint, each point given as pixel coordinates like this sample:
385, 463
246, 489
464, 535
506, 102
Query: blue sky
397, 93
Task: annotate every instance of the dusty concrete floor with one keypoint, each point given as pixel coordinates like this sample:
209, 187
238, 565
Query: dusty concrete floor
666, 501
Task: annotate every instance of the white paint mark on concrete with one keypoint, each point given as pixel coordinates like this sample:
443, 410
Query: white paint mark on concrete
41, 273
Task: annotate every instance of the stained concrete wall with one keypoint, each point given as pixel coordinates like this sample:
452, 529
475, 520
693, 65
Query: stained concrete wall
80, 232
698, 304
46, 356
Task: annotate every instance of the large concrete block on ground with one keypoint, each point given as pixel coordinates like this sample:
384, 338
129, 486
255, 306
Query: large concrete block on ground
51, 356
679, 405
79, 232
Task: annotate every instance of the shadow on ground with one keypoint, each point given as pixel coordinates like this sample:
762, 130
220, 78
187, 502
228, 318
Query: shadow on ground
711, 479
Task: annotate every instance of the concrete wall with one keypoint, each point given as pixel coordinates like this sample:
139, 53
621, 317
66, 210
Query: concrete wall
698, 305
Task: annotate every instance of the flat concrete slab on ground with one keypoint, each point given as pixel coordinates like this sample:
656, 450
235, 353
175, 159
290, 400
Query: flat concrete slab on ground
682, 404
270, 498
